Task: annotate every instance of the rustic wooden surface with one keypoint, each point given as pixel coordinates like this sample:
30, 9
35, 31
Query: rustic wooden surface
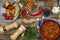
6, 36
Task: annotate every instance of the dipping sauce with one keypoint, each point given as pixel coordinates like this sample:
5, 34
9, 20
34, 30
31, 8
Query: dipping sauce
23, 12
50, 30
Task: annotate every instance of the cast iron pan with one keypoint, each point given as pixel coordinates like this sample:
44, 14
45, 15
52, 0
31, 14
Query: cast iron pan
43, 24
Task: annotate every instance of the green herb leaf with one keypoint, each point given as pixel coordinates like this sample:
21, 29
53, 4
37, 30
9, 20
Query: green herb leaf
30, 33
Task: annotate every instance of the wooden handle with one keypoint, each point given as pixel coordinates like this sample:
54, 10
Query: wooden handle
11, 26
1, 30
18, 32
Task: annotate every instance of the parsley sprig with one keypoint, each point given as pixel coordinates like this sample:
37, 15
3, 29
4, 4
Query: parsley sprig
30, 33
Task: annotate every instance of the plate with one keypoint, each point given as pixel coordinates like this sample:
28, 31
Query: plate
34, 11
2, 10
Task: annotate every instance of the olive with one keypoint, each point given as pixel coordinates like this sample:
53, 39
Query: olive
46, 12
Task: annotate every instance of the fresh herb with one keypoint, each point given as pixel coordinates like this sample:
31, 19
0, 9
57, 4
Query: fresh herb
30, 33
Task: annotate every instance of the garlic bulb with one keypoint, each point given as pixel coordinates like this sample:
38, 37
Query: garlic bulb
55, 10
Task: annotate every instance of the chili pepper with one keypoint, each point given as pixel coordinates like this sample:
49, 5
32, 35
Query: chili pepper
38, 12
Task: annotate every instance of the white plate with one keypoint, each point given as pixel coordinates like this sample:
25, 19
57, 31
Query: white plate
2, 10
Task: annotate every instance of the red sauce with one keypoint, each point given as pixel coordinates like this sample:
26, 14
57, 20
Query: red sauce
50, 30
23, 12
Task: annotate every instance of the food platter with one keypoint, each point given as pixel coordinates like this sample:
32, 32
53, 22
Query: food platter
2, 10
33, 9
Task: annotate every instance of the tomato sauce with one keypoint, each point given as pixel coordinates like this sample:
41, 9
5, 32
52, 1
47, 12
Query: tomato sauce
23, 12
50, 30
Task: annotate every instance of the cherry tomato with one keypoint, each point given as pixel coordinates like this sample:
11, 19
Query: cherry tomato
6, 18
4, 14
10, 17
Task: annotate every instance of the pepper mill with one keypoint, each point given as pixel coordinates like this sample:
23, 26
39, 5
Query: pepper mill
11, 26
1, 30
19, 31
